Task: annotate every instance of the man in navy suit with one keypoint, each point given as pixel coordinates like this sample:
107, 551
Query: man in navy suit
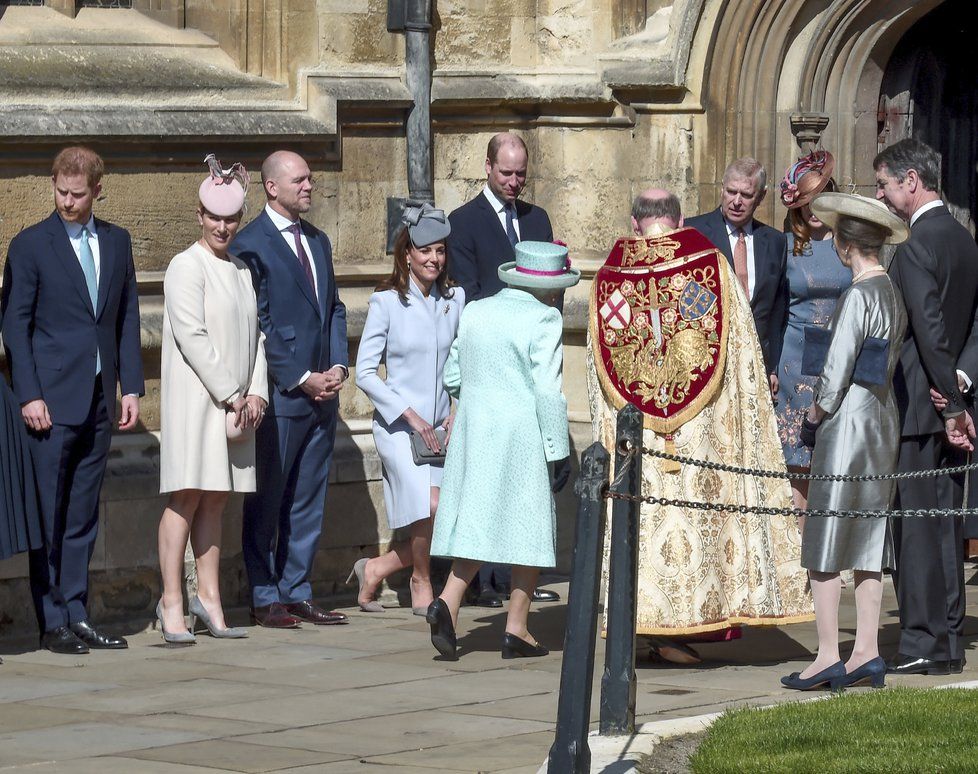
756, 252
304, 322
71, 330
485, 231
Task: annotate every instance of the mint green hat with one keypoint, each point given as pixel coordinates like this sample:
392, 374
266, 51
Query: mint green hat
540, 265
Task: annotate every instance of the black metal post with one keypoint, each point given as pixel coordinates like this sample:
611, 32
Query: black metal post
618, 680
570, 753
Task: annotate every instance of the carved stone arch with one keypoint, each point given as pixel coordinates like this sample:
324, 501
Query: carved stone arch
750, 86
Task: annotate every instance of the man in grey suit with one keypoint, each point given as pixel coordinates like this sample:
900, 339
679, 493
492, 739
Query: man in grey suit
936, 271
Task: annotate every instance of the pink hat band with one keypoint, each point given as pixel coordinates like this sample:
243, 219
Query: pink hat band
539, 273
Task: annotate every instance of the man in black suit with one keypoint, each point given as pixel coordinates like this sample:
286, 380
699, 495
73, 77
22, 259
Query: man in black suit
71, 330
757, 253
936, 271
485, 231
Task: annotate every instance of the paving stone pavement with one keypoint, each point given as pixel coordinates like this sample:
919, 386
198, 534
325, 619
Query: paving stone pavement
370, 696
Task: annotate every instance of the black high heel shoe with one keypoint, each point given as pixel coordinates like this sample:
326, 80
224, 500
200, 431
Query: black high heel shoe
516, 647
834, 675
442, 629
873, 670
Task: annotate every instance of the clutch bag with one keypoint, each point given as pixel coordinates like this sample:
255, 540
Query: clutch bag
870, 365
422, 454
237, 434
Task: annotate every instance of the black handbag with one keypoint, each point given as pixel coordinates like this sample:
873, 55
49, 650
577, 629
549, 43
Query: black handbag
870, 365
420, 451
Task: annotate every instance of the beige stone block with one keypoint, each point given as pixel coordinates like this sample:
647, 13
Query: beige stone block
129, 529
522, 41
371, 159
473, 39
362, 232
14, 567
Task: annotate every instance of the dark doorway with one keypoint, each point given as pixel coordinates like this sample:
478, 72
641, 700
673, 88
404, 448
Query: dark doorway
930, 91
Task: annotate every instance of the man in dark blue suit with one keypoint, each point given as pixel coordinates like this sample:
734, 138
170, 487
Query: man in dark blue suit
71, 330
485, 231
756, 252
304, 322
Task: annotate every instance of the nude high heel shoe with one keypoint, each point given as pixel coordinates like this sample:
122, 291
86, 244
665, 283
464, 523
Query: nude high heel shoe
359, 572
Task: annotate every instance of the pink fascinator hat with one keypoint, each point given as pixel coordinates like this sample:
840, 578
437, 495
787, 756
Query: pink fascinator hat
223, 191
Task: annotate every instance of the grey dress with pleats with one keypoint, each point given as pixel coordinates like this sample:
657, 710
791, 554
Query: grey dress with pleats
860, 434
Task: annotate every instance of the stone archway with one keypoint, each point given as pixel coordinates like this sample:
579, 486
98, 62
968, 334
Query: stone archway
764, 61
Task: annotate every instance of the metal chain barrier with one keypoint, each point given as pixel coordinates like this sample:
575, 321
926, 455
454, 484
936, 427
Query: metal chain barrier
723, 468
768, 511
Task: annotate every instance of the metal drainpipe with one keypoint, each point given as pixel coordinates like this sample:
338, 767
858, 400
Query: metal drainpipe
413, 17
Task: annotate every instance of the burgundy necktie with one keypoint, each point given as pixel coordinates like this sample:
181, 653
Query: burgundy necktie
300, 251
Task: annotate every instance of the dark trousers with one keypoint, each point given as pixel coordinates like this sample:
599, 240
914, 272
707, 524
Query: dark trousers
283, 520
929, 575
69, 461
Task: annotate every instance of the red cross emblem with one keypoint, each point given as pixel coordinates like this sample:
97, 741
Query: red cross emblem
616, 311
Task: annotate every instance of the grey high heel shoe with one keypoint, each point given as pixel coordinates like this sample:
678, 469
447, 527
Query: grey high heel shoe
359, 572
173, 638
197, 610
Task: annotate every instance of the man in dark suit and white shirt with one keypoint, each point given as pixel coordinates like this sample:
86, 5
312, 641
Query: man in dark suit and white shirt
936, 271
757, 253
71, 330
304, 322
485, 231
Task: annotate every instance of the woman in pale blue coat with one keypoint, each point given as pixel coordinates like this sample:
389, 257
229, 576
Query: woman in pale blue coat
496, 501
411, 324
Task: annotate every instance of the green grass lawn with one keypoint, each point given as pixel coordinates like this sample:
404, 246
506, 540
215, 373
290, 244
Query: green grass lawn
893, 730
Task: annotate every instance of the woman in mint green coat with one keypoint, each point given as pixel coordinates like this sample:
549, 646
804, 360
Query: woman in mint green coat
509, 446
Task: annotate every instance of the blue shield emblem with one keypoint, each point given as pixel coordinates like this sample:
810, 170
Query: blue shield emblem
695, 301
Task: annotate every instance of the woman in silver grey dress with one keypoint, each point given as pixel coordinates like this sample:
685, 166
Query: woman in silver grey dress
856, 431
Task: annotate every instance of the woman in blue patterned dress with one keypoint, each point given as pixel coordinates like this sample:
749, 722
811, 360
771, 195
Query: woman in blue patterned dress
816, 279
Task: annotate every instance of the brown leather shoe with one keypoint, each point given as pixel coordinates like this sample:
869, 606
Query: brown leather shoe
274, 616
310, 613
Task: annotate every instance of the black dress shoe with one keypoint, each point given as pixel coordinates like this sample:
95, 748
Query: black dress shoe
915, 665
62, 640
95, 639
957, 665
442, 630
516, 647
488, 597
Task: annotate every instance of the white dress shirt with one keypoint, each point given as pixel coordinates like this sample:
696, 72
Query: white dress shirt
500, 208
749, 238
74, 231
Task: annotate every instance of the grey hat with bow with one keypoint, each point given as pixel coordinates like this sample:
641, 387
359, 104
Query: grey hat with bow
426, 225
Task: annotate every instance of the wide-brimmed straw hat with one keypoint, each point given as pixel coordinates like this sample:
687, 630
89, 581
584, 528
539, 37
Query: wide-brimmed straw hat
426, 225
819, 165
829, 207
223, 191
540, 265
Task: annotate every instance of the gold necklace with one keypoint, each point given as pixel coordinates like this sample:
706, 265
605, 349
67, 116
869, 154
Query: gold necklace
867, 271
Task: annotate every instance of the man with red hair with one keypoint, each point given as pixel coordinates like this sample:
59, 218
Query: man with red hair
71, 331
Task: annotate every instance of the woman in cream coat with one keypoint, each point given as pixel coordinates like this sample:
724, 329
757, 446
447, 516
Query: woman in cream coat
214, 392
411, 323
